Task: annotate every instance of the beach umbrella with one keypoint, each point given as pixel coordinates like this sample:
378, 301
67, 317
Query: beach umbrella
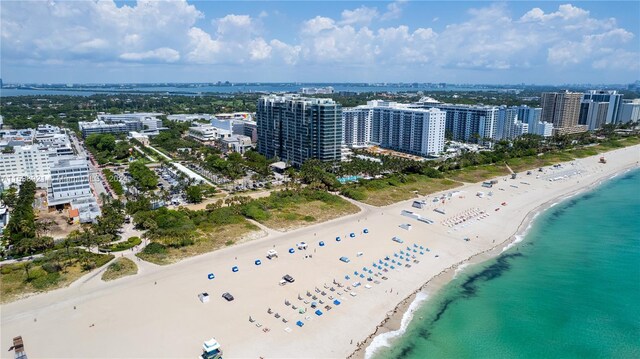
361, 275
395, 254
364, 269
347, 277
321, 244
291, 250
337, 239
415, 245
234, 269
355, 272
370, 271
421, 252
392, 267
258, 262
366, 231
352, 235
299, 323
386, 264
210, 276
380, 261
393, 261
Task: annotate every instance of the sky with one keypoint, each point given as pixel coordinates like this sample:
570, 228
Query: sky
541, 42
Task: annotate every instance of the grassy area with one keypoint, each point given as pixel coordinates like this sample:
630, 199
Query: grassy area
478, 173
55, 270
287, 210
386, 191
121, 267
207, 239
113, 181
123, 246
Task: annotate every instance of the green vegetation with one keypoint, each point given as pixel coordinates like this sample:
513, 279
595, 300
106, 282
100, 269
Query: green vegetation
194, 194
289, 209
113, 181
123, 246
106, 149
143, 178
55, 269
395, 188
178, 234
23, 232
121, 267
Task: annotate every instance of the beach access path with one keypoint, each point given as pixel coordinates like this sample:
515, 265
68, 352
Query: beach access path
157, 314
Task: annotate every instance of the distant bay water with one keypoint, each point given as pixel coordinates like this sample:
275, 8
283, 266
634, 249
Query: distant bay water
226, 89
570, 289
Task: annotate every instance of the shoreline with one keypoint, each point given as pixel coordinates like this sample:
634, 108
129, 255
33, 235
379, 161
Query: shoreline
392, 322
122, 310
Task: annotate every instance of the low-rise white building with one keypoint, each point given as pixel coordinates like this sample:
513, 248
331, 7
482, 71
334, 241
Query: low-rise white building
208, 133
237, 143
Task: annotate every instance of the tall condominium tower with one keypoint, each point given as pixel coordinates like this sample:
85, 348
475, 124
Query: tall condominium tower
294, 129
468, 123
563, 110
395, 126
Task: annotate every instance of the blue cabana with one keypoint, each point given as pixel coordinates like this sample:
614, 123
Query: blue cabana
336, 302
235, 269
321, 244
352, 235
366, 231
318, 312
210, 276
291, 250
299, 323
258, 262
337, 239
314, 304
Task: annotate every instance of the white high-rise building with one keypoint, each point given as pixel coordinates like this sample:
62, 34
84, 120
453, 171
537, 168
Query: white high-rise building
28, 161
468, 123
395, 126
69, 180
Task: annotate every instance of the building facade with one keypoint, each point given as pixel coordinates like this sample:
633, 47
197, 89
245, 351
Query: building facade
395, 126
69, 180
629, 111
562, 109
294, 129
468, 123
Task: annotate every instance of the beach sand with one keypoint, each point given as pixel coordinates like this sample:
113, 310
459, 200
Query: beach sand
157, 314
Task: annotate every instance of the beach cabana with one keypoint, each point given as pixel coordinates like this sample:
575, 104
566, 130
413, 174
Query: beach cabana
365, 231
291, 250
258, 262
337, 239
235, 269
318, 312
210, 276
352, 235
299, 323
336, 302
321, 244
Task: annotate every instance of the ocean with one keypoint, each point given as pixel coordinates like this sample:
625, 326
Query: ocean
570, 289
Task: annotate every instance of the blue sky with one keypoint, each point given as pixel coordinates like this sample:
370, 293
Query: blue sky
313, 41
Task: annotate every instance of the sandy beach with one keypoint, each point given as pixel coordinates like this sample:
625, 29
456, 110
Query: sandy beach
157, 313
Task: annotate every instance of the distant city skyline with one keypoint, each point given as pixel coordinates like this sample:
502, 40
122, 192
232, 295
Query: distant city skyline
313, 41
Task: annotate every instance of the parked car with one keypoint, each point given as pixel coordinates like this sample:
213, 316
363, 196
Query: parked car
227, 296
288, 278
345, 259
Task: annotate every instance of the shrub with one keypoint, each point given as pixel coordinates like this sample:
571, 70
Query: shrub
154, 248
51, 267
309, 218
353, 193
45, 281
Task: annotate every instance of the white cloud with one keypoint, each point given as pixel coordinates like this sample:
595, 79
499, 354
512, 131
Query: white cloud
487, 38
360, 16
164, 54
394, 10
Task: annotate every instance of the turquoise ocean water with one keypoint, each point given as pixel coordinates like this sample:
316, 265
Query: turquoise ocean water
570, 289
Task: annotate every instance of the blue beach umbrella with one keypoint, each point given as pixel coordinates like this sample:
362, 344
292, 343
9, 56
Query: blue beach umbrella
337, 239
299, 323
